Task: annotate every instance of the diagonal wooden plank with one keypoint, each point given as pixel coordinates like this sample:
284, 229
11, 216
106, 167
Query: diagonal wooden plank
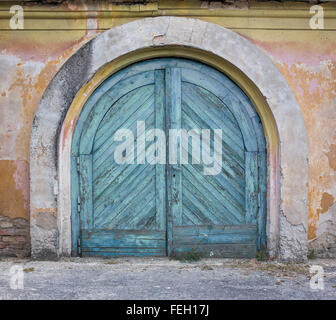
97, 113
118, 109
142, 113
235, 163
114, 192
205, 207
235, 183
220, 193
145, 213
131, 211
233, 176
234, 193
244, 121
205, 113
112, 171
114, 201
217, 202
229, 164
118, 113
188, 216
212, 106
191, 194
100, 161
149, 222
133, 196
124, 173
194, 119
194, 213
238, 106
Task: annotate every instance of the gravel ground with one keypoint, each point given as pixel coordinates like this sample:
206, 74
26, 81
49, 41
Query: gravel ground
161, 278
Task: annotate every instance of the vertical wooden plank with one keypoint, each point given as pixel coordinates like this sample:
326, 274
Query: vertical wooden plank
75, 225
86, 205
262, 196
251, 195
259, 133
174, 174
160, 169
262, 182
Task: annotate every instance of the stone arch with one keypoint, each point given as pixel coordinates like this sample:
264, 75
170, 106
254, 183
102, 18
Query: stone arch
237, 57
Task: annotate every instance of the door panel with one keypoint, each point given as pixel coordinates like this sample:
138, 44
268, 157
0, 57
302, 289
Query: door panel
174, 174
119, 189
125, 217
214, 206
141, 208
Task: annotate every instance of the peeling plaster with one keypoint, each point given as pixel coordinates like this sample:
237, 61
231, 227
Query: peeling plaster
22, 84
326, 202
14, 189
324, 244
310, 69
331, 155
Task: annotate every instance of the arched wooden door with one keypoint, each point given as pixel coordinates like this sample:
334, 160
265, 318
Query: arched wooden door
168, 156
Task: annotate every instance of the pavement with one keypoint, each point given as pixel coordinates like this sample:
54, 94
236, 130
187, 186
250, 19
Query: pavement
161, 278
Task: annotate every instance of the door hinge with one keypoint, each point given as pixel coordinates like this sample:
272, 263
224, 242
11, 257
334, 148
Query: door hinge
78, 164
78, 204
79, 246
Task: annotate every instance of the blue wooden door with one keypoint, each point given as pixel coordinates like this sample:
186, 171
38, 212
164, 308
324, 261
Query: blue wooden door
207, 201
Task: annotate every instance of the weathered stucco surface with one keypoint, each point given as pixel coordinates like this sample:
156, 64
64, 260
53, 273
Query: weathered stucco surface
308, 63
306, 58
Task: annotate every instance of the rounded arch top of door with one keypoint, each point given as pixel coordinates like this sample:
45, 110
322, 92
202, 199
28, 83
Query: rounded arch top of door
142, 208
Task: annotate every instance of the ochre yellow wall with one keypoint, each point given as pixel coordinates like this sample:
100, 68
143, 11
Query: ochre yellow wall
30, 58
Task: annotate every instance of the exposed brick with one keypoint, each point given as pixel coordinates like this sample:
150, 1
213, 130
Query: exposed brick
5, 224
21, 223
13, 232
6, 232
17, 245
14, 237
8, 239
3, 245
21, 239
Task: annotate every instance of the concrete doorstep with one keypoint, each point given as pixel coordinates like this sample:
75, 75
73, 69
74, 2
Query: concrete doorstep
162, 278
